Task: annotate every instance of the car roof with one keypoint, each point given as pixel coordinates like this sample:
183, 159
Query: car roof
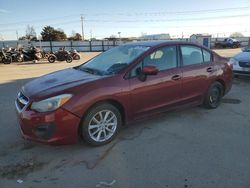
158, 42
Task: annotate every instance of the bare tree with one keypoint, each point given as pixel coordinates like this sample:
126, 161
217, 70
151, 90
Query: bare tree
236, 34
30, 33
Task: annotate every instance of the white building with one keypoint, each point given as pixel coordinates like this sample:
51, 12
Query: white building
202, 39
163, 36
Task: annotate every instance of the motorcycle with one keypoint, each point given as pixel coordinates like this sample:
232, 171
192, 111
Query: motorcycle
31, 54
45, 54
75, 55
61, 55
5, 58
16, 55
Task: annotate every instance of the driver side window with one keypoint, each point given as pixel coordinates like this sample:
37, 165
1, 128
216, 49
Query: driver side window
163, 59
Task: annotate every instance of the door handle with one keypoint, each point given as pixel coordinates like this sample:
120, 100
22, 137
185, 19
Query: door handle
209, 69
176, 77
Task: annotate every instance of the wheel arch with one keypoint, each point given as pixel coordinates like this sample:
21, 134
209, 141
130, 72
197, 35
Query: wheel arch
222, 82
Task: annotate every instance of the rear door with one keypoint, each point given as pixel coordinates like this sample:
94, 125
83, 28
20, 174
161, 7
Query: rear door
197, 72
159, 90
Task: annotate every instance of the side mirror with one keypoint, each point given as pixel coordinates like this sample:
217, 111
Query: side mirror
150, 70
146, 71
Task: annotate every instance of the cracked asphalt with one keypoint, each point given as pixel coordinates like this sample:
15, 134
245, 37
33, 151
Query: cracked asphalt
192, 147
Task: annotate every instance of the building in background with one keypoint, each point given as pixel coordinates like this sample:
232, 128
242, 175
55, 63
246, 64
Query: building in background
163, 36
202, 39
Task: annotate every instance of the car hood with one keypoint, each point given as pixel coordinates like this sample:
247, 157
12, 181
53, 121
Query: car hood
56, 82
243, 56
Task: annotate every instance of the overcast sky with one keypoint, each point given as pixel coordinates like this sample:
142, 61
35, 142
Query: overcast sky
130, 17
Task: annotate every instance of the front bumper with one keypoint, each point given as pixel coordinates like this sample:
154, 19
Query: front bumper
241, 69
57, 127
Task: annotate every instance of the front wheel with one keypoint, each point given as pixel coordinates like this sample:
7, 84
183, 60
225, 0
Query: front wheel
235, 46
213, 96
101, 124
69, 59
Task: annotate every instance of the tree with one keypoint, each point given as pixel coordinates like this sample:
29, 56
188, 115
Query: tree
22, 38
49, 33
236, 34
75, 36
30, 33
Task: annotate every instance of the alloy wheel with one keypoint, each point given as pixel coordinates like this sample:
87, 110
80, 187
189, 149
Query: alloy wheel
102, 126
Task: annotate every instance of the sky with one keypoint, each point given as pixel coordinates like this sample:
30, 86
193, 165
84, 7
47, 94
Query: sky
132, 18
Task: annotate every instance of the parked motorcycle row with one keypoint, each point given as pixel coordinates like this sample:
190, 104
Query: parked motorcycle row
34, 54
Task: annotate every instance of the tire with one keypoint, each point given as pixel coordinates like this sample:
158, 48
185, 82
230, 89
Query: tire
235, 46
214, 95
95, 135
19, 59
76, 57
38, 56
46, 55
69, 59
52, 58
7, 60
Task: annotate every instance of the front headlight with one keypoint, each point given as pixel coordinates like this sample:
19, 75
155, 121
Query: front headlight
50, 104
233, 61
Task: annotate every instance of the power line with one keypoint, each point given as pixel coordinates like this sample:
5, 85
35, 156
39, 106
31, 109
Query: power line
40, 20
161, 13
144, 26
169, 20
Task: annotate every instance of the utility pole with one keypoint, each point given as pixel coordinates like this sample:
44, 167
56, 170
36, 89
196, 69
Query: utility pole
16, 34
91, 35
82, 27
119, 33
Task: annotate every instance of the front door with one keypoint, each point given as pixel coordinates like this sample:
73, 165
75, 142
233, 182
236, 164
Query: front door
160, 90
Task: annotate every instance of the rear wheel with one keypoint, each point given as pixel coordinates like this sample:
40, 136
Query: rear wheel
52, 58
77, 57
213, 96
46, 55
101, 124
19, 58
7, 60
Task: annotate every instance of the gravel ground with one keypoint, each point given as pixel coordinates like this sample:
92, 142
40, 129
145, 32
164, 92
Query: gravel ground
192, 147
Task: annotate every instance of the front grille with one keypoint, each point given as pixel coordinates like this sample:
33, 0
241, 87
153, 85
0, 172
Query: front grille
244, 64
21, 100
241, 73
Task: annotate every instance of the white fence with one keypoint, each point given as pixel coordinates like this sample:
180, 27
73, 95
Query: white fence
88, 46
81, 46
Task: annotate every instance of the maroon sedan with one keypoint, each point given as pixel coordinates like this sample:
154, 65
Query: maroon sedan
123, 84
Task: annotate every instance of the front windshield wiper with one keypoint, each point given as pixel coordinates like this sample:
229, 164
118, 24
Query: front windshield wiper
90, 70
115, 68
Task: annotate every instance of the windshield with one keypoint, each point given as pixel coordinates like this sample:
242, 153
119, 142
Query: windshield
113, 60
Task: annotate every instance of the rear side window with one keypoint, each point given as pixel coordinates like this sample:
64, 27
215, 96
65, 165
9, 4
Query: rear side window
191, 55
207, 56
